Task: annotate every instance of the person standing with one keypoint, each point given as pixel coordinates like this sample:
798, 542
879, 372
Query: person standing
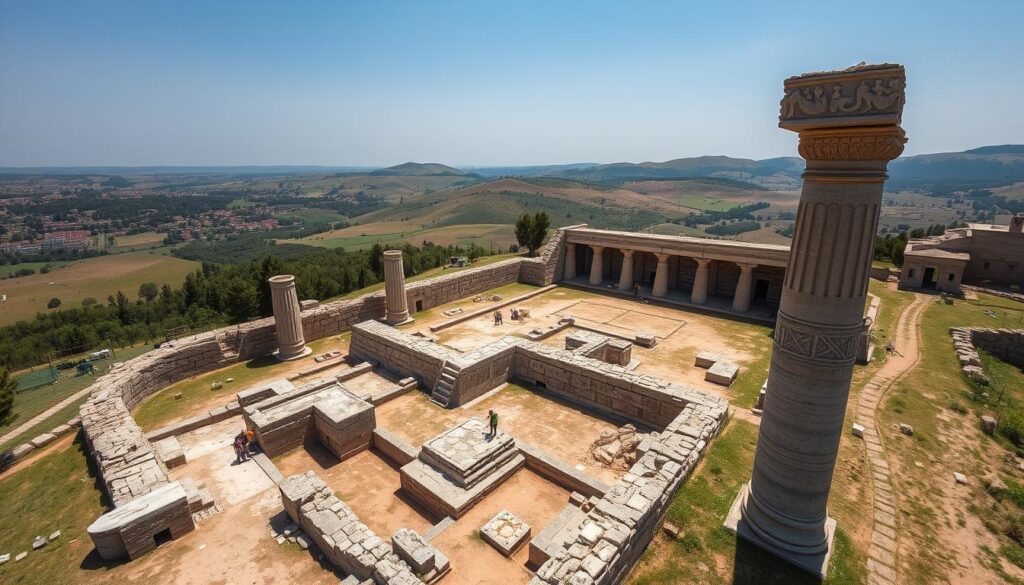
249, 442
239, 450
636, 290
494, 423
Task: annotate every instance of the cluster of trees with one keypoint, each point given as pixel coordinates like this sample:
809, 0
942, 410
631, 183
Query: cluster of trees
740, 212
889, 248
734, 228
985, 200
216, 294
531, 231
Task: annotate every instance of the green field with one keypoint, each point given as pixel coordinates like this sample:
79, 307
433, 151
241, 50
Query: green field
96, 277
363, 237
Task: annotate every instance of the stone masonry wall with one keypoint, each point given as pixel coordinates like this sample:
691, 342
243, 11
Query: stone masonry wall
1005, 344
606, 544
586, 381
341, 537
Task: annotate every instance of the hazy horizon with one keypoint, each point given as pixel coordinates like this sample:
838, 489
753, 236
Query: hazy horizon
127, 84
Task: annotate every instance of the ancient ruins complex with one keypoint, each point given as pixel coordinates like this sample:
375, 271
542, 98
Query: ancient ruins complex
815, 292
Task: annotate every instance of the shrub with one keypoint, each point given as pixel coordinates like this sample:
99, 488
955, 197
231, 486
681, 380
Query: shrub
1011, 425
53, 303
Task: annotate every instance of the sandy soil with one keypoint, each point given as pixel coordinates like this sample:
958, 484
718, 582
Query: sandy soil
474, 562
211, 461
557, 428
368, 483
682, 335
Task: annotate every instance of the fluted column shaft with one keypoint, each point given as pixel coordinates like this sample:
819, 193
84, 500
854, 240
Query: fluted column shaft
287, 317
741, 298
395, 301
597, 265
660, 287
699, 295
822, 305
626, 275
570, 262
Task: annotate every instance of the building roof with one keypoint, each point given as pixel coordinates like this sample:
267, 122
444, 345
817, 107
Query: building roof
936, 253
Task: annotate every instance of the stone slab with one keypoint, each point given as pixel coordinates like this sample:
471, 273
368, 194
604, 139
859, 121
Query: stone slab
505, 532
722, 373
706, 359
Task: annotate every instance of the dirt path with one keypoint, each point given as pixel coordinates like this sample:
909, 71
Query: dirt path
884, 536
44, 415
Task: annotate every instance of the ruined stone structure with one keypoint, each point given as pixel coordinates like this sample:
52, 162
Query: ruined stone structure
287, 318
1005, 344
979, 254
395, 300
849, 126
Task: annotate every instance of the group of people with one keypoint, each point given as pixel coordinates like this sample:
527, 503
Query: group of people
514, 314
244, 446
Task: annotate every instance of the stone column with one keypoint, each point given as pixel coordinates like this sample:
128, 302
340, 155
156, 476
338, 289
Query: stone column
395, 301
569, 272
699, 295
287, 318
849, 126
741, 298
626, 276
660, 287
597, 265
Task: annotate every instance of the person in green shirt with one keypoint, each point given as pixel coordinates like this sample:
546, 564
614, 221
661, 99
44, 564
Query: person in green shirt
494, 423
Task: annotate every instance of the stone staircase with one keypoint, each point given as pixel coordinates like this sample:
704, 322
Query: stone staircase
442, 393
228, 352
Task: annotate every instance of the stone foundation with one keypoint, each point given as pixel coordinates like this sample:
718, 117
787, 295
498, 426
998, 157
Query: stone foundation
336, 530
1005, 344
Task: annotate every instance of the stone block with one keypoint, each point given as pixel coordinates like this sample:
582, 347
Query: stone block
706, 359
505, 532
722, 373
21, 451
170, 452
42, 440
988, 424
414, 550
858, 430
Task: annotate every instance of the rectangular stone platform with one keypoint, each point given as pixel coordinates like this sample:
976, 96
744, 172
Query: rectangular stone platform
341, 421
443, 497
467, 453
134, 528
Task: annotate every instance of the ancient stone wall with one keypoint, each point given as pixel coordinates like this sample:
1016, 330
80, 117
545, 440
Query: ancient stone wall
1005, 344
400, 352
608, 541
341, 537
547, 267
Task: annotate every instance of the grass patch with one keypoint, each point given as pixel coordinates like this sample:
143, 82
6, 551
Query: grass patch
707, 550
163, 408
56, 492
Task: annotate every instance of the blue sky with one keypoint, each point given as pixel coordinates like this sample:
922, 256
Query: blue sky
474, 83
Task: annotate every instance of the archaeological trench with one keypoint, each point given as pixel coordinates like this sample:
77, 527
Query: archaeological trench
814, 292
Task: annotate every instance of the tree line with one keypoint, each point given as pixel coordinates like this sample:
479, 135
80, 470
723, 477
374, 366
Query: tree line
213, 295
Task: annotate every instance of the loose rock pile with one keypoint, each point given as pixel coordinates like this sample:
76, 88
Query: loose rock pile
616, 449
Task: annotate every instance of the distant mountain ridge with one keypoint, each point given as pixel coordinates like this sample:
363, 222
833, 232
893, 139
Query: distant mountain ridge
412, 169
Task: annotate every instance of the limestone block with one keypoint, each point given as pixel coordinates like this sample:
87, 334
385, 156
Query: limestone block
505, 532
722, 373
988, 424
170, 452
414, 550
858, 430
706, 359
42, 440
21, 451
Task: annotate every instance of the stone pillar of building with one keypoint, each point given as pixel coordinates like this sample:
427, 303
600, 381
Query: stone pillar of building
660, 287
741, 298
287, 318
569, 272
849, 126
395, 301
699, 294
597, 265
626, 275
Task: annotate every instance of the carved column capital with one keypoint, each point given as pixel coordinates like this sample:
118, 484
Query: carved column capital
848, 115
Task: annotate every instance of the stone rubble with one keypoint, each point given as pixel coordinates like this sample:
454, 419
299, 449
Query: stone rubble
337, 532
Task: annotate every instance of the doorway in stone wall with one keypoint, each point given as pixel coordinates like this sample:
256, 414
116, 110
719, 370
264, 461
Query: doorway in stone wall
162, 537
761, 289
929, 278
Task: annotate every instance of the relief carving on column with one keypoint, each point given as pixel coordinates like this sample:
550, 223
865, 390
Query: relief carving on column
875, 144
870, 94
816, 343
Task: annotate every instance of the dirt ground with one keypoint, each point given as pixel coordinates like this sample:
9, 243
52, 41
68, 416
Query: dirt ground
528, 496
233, 546
556, 427
372, 384
368, 483
681, 335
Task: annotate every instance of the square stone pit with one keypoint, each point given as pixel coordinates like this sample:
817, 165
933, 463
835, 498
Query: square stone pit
505, 532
